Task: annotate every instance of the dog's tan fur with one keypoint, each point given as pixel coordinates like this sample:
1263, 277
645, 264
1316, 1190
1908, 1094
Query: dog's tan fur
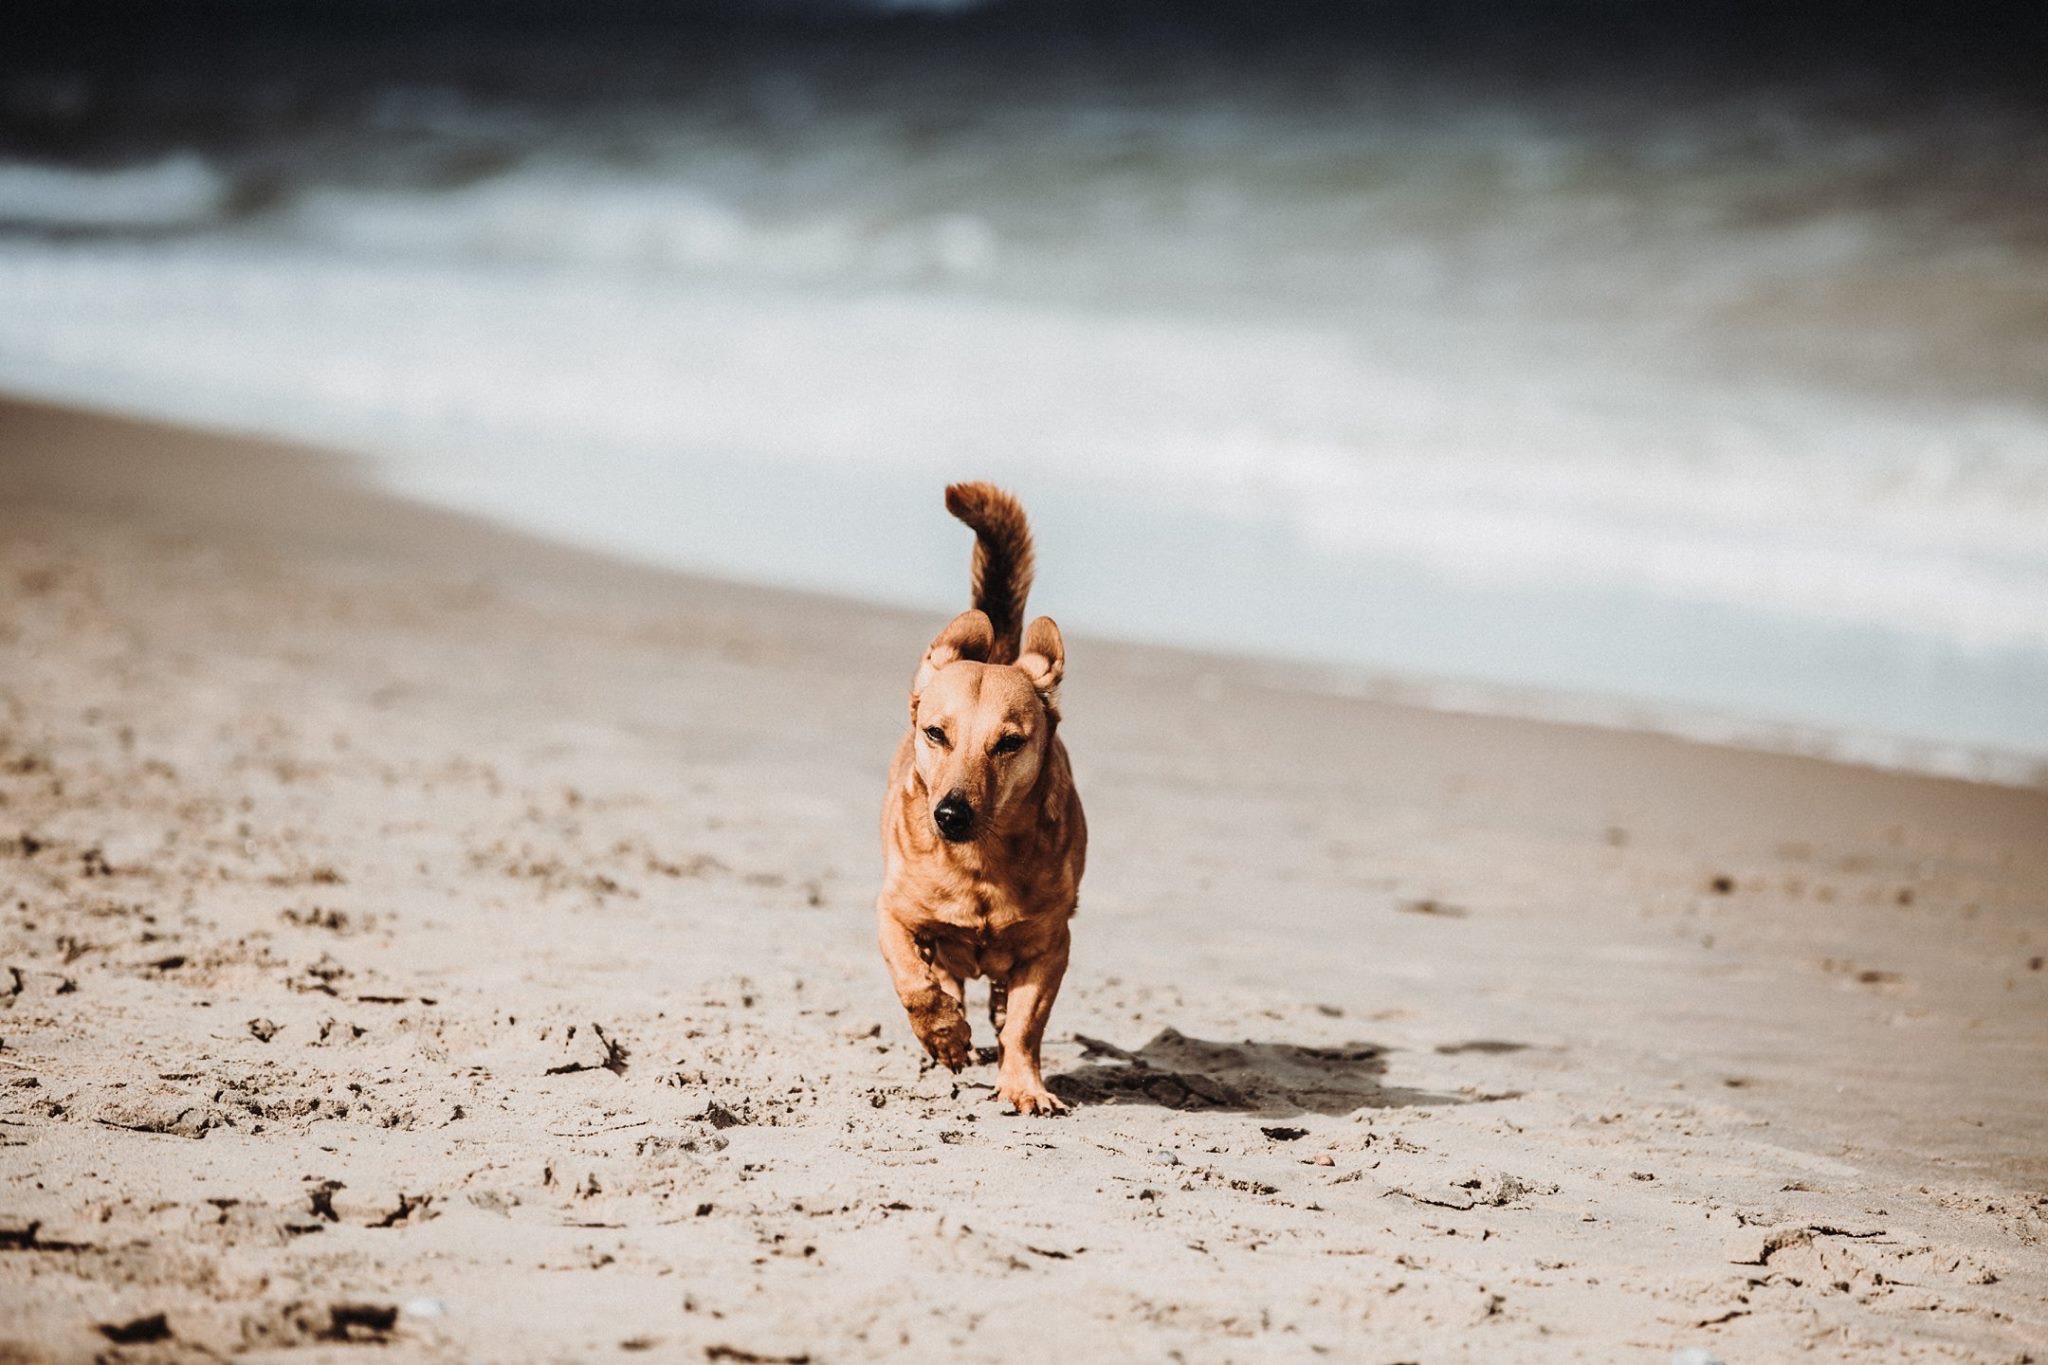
984, 715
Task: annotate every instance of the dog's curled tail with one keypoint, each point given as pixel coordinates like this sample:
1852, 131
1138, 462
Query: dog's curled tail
1001, 576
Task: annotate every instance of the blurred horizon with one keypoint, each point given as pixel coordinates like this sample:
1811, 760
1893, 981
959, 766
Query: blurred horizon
1694, 360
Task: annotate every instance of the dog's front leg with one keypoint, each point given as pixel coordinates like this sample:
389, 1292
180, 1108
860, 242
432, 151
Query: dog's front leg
935, 1013
1032, 987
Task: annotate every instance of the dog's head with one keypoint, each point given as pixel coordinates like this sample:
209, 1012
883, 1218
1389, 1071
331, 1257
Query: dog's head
980, 732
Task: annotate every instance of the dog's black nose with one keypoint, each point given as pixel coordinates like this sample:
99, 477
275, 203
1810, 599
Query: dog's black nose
954, 817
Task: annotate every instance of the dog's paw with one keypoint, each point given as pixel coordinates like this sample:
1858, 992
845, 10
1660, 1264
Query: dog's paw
947, 1041
1030, 1097
939, 1023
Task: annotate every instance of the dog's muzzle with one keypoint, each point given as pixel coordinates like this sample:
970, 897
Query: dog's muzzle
955, 819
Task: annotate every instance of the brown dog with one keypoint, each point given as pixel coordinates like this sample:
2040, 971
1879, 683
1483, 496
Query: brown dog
981, 828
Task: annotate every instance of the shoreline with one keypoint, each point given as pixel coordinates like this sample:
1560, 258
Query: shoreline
1699, 723
426, 934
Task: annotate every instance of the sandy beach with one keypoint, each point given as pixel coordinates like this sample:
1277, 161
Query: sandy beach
425, 939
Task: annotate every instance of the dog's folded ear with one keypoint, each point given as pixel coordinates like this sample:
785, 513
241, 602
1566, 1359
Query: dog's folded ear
967, 636
1044, 660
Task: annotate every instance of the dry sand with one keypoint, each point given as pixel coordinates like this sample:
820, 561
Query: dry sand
425, 940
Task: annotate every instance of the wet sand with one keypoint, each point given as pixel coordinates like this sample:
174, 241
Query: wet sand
420, 936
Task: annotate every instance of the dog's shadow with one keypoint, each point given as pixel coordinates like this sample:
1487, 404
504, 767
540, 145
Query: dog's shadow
1175, 1071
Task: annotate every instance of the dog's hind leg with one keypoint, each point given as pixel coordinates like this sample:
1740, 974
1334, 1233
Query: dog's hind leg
998, 1011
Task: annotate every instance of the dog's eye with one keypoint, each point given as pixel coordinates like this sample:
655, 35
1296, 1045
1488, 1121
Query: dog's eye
1009, 744
936, 735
